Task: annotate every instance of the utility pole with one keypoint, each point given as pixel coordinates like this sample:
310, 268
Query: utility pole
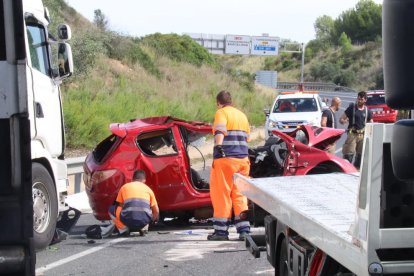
303, 63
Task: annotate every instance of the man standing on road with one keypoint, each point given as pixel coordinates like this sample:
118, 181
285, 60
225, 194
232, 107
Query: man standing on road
134, 208
357, 115
231, 131
329, 119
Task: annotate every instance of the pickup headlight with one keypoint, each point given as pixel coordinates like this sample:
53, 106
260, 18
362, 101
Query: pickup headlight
274, 124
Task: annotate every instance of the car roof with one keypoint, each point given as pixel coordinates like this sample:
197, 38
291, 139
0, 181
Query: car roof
297, 94
375, 92
121, 129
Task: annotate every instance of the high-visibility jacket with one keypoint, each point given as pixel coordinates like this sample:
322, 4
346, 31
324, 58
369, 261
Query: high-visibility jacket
233, 124
225, 197
134, 202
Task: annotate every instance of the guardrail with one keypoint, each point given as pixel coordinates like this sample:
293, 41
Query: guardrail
318, 86
75, 167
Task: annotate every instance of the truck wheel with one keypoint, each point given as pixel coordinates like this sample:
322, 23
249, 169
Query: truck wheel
283, 260
45, 206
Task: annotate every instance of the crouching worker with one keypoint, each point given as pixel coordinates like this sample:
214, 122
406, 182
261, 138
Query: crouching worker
134, 208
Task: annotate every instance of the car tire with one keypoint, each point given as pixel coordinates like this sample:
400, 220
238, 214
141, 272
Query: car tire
45, 206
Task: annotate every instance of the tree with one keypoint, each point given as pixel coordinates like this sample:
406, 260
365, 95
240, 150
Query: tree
345, 43
324, 26
361, 24
100, 20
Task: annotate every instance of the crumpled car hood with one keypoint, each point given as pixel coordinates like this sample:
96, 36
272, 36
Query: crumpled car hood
313, 136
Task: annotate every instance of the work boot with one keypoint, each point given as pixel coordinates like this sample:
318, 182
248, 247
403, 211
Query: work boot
143, 232
124, 234
242, 235
215, 237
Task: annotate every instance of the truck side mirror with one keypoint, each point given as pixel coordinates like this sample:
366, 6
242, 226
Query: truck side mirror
64, 32
65, 60
266, 111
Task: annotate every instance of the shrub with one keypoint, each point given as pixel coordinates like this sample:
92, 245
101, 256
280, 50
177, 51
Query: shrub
345, 78
137, 55
179, 48
324, 71
89, 46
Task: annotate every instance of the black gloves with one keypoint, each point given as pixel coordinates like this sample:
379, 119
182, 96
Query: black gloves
220, 150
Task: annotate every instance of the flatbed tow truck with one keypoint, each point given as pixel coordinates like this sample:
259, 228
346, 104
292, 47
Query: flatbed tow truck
346, 224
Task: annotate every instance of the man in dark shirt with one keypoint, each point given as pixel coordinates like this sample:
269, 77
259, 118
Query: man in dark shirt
329, 119
357, 115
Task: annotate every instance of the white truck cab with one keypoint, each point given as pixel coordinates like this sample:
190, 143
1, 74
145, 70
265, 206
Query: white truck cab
290, 110
49, 61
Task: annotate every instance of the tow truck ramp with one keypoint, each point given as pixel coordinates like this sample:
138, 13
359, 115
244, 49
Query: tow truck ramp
365, 222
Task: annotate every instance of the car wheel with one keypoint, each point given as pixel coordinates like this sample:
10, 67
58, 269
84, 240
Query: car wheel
45, 206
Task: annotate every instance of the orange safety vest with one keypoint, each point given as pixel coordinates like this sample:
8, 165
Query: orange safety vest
233, 124
134, 201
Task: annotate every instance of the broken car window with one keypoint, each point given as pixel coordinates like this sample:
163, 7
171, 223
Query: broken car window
157, 143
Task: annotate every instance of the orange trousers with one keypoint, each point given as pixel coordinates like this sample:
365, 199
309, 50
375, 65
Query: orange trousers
224, 194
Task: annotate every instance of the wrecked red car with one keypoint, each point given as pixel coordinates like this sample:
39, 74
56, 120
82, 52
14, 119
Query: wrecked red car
300, 152
161, 145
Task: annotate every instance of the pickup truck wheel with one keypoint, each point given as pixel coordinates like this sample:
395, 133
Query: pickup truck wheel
45, 206
283, 260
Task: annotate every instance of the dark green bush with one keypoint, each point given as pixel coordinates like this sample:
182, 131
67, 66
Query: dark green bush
179, 48
137, 55
324, 71
87, 47
345, 77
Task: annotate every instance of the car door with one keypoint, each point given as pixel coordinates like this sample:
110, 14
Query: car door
160, 157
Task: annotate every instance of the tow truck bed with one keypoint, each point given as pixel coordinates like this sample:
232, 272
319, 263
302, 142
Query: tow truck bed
321, 208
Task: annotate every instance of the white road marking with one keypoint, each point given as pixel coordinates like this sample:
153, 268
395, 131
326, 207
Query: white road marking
265, 271
45, 268
194, 247
195, 250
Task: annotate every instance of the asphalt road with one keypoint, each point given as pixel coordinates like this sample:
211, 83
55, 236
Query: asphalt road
166, 250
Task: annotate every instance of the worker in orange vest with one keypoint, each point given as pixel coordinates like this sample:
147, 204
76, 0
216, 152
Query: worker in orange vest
231, 133
134, 208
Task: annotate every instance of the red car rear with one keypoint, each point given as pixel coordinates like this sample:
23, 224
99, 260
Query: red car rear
160, 146
381, 112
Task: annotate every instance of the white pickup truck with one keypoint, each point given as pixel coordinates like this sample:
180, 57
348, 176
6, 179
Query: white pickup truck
292, 109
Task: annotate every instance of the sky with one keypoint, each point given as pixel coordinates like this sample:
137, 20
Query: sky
289, 19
